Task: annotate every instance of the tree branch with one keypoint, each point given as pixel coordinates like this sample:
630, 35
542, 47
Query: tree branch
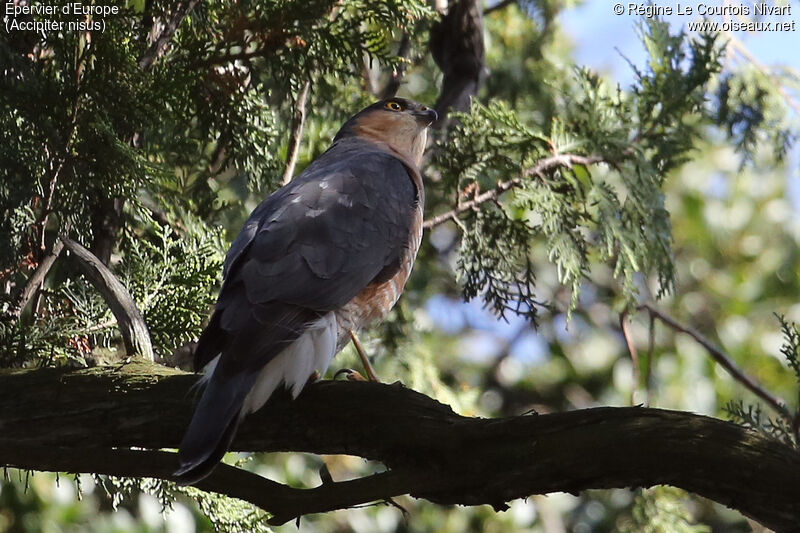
457, 46
561, 160
282, 502
37, 279
159, 45
396, 77
87, 420
132, 326
724, 360
298, 121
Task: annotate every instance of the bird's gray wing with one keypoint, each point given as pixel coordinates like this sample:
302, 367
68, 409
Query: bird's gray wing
317, 243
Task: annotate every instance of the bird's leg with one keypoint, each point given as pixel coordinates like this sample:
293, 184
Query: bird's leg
364, 361
349, 374
313, 378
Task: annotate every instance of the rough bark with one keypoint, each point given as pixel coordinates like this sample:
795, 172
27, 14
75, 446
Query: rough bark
87, 420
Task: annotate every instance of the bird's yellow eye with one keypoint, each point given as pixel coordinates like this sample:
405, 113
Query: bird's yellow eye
394, 106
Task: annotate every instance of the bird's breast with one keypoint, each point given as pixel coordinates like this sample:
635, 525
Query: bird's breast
375, 301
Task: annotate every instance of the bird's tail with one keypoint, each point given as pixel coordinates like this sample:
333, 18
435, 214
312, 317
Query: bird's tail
213, 426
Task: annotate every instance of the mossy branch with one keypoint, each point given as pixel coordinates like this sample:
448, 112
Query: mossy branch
90, 420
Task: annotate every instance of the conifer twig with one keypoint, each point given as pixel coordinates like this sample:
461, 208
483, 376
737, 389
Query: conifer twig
555, 161
47, 201
742, 50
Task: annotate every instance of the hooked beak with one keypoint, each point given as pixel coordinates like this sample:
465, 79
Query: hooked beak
426, 116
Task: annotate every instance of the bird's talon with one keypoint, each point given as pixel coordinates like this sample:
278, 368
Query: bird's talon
350, 375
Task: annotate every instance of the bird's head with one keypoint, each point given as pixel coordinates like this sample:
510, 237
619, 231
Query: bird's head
399, 123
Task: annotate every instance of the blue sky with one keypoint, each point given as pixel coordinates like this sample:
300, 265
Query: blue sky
598, 34
601, 38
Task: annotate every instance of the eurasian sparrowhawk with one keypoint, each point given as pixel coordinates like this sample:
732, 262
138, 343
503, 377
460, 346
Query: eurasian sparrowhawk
324, 255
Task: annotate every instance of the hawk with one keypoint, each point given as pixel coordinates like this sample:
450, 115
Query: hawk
317, 260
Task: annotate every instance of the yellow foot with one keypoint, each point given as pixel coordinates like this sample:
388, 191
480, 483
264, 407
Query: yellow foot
364, 360
350, 375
